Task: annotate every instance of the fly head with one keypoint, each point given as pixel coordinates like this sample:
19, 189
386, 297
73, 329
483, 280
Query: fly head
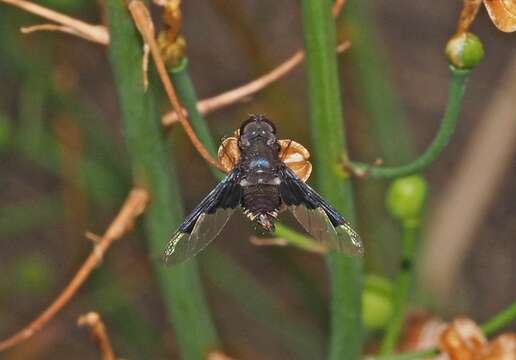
257, 130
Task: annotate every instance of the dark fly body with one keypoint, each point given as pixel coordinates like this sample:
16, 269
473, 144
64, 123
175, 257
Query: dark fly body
265, 176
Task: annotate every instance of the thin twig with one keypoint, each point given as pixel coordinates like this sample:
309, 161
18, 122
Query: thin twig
337, 7
52, 27
99, 34
134, 206
99, 333
243, 92
95, 33
143, 22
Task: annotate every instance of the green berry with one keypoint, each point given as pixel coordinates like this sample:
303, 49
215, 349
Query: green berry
464, 51
377, 304
406, 197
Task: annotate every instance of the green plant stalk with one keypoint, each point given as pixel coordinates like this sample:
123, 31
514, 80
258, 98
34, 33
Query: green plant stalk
502, 319
180, 285
446, 130
186, 93
299, 240
328, 141
401, 290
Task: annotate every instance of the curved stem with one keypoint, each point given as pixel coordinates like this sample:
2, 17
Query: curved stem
392, 333
328, 139
455, 95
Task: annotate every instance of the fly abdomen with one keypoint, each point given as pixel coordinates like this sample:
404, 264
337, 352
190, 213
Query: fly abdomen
261, 203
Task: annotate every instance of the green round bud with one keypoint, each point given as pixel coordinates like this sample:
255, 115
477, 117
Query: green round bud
464, 51
377, 306
406, 197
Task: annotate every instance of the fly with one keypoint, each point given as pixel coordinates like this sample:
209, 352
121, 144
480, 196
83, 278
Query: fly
265, 175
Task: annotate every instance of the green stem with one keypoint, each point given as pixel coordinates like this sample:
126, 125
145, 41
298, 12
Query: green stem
180, 285
390, 339
328, 140
186, 93
446, 130
299, 240
501, 320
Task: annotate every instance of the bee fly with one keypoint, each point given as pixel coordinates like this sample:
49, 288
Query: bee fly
265, 176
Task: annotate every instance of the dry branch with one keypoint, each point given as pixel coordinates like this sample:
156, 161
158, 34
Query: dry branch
99, 333
134, 206
240, 93
95, 33
144, 24
99, 34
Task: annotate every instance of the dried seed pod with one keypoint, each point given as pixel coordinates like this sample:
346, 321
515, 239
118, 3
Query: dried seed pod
502, 13
291, 153
228, 153
296, 157
462, 340
501, 348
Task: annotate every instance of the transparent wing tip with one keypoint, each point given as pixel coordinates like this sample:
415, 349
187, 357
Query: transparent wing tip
352, 243
169, 255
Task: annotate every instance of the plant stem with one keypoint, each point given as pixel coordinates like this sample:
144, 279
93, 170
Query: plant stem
180, 285
446, 130
390, 339
299, 240
328, 140
501, 320
186, 93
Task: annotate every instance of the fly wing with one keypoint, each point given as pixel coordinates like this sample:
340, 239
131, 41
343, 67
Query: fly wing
317, 217
206, 221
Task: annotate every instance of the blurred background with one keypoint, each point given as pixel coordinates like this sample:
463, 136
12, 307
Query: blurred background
64, 170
